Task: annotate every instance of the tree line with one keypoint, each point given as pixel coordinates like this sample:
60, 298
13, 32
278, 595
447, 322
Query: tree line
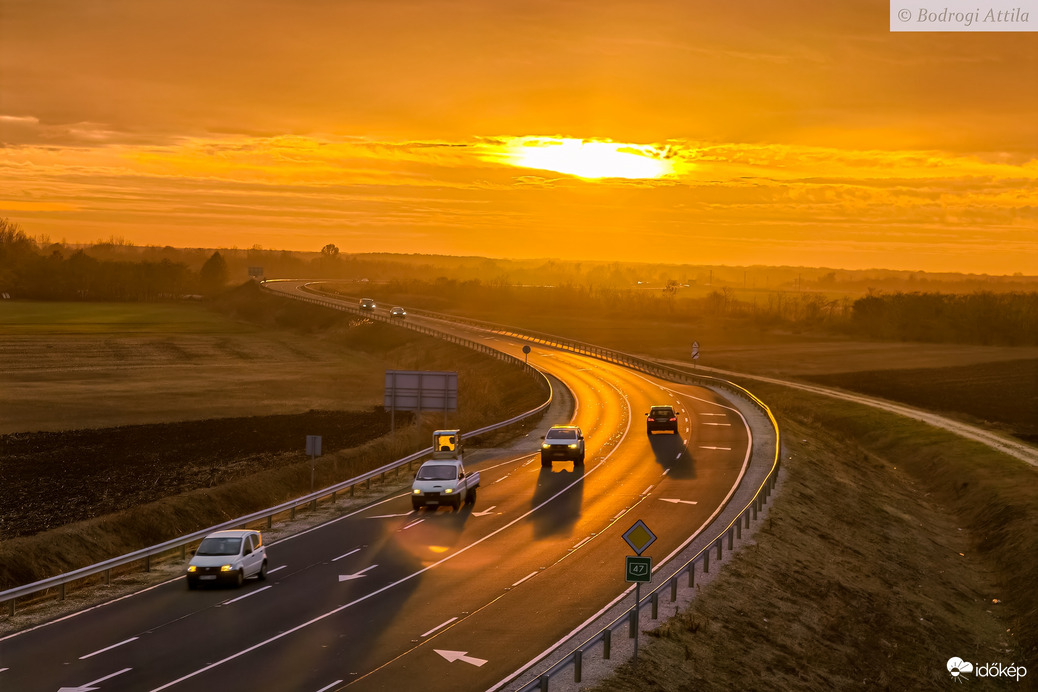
54, 272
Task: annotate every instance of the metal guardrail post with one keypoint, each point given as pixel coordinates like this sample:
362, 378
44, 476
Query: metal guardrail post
655, 604
607, 640
754, 507
544, 682
731, 538
632, 628
719, 542
706, 561
738, 528
692, 574
147, 563
674, 589
578, 664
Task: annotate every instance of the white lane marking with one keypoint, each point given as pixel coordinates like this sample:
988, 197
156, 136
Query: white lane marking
413, 523
581, 543
391, 516
531, 574
722, 425
439, 627
462, 656
328, 687
646, 491
271, 571
107, 648
3, 669
355, 575
346, 554
90, 685
713, 414
251, 593
485, 512
727, 449
684, 502
678, 456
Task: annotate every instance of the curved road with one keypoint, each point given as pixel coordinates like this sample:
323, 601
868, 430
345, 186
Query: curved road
388, 598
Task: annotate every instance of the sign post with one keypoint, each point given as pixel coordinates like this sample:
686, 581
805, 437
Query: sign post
526, 352
638, 569
695, 353
313, 448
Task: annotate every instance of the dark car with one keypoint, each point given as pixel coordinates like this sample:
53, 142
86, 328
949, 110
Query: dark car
563, 443
661, 418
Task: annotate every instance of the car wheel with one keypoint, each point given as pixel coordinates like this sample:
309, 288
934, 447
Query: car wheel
579, 461
191, 586
456, 505
470, 497
262, 574
239, 579
415, 505
545, 462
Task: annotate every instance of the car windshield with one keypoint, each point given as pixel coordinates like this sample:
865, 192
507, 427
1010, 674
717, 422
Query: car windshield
437, 472
662, 412
219, 546
561, 435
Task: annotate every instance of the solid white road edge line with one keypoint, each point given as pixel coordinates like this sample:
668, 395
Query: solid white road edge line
251, 593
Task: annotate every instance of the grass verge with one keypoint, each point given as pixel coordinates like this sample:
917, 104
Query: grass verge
891, 547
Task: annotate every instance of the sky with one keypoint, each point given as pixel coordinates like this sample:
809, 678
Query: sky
739, 133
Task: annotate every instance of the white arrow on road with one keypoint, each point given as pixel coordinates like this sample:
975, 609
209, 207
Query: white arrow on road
453, 656
90, 685
485, 512
358, 575
684, 502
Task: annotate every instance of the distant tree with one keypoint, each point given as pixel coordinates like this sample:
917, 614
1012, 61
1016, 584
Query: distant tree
330, 251
213, 275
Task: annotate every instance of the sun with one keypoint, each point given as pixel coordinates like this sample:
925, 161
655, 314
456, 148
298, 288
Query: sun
588, 158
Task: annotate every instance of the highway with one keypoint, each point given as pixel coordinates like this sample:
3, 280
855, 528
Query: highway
389, 598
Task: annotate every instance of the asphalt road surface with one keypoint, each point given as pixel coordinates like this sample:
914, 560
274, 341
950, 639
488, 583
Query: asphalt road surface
388, 598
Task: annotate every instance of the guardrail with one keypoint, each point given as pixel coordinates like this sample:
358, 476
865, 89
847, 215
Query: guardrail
103, 571
730, 533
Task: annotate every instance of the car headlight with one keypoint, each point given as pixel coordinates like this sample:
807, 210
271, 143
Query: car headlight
545, 446
191, 569
448, 491
417, 491
225, 568
574, 446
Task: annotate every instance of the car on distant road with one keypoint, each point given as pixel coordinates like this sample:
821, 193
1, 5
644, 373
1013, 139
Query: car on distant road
563, 443
367, 303
228, 557
661, 418
398, 312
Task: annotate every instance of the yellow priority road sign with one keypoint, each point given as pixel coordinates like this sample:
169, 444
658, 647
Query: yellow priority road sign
639, 537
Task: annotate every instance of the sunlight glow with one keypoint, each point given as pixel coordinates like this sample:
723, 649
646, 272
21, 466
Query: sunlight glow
588, 159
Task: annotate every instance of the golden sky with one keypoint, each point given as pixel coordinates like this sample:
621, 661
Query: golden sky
740, 133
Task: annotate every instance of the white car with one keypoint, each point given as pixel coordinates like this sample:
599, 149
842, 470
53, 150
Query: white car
398, 312
228, 557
